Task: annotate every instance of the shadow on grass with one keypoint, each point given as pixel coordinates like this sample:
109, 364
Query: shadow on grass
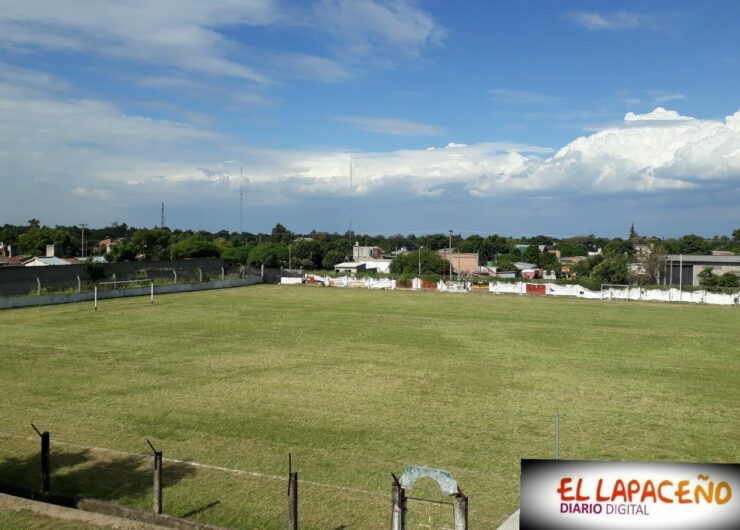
82, 473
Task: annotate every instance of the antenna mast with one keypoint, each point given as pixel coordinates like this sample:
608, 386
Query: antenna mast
351, 244
161, 218
241, 201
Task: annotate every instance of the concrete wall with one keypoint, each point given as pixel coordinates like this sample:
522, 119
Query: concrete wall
22, 280
462, 262
53, 299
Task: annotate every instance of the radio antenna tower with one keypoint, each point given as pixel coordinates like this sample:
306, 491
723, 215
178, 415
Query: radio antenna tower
241, 201
161, 218
351, 243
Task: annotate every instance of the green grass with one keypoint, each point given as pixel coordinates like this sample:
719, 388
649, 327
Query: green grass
357, 384
14, 520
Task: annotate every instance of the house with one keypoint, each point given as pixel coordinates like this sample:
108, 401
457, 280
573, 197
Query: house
106, 244
14, 261
462, 262
685, 268
44, 261
350, 267
360, 253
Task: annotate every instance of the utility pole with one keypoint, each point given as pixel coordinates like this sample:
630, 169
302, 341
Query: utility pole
351, 244
161, 218
83, 226
449, 255
241, 203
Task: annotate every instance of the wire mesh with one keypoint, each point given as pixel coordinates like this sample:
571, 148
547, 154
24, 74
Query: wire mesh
429, 515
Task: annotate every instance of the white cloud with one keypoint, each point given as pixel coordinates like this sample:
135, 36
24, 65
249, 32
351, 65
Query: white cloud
393, 126
665, 98
166, 32
616, 20
659, 114
370, 27
522, 97
93, 151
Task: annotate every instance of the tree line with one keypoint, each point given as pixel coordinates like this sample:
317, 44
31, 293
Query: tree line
322, 250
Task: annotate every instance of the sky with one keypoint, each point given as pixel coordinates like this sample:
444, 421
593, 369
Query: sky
517, 118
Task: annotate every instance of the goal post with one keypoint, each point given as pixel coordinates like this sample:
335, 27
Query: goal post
608, 289
146, 281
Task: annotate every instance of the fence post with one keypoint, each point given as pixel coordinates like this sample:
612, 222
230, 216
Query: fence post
45, 465
292, 495
398, 515
460, 512
157, 486
38, 286
79, 285
223, 273
200, 275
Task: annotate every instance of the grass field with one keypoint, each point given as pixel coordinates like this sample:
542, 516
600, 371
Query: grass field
357, 384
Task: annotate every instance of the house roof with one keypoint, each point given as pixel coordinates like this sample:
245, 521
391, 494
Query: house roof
349, 265
693, 258
11, 261
48, 260
521, 265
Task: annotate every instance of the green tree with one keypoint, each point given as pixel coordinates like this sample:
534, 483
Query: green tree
611, 270
548, 261
195, 246
270, 255
736, 235
729, 279
691, 244
655, 263
331, 258
408, 263
618, 248
34, 241
240, 253
572, 249
280, 234
532, 254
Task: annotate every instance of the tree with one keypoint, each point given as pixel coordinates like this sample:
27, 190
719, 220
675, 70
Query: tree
548, 261
268, 254
34, 222
280, 234
572, 249
34, 241
611, 270
331, 258
633, 233
690, 244
532, 254
618, 248
729, 279
195, 247
736, 235
240, 253
409, 263
655, 263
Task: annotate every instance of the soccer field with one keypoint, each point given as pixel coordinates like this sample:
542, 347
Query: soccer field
356, 384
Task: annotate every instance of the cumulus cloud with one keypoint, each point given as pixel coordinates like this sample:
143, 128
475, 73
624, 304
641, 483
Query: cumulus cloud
52, 144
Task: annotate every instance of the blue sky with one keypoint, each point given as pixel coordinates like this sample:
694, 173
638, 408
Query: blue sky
509, 117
